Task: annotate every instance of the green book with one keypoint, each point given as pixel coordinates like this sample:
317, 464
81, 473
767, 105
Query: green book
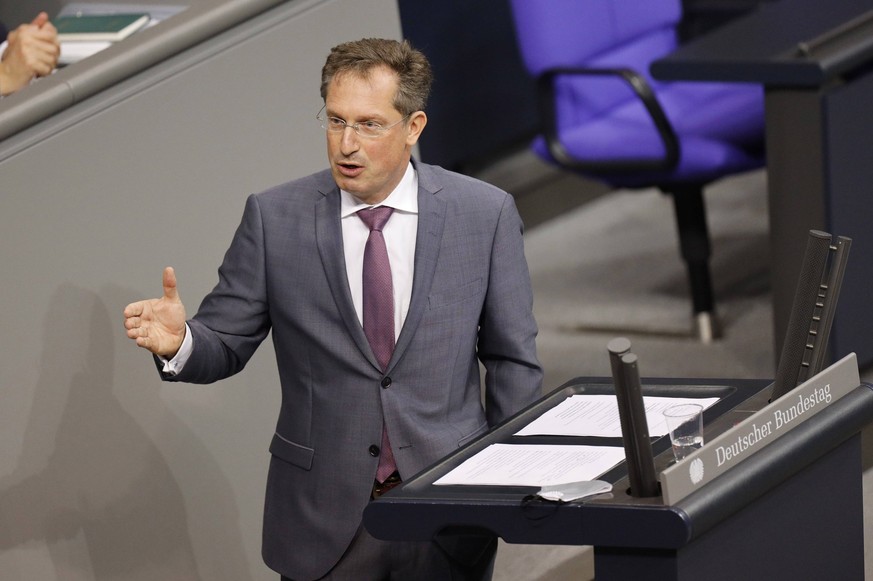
99, 27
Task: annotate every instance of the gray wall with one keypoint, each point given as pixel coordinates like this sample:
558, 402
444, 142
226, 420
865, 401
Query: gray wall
105, 473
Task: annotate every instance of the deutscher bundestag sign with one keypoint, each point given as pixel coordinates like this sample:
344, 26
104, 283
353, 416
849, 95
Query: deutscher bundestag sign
759, 430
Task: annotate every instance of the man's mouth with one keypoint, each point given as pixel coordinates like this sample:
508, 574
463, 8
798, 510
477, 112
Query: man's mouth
349, 169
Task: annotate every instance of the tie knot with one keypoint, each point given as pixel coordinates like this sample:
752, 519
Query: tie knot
375, 218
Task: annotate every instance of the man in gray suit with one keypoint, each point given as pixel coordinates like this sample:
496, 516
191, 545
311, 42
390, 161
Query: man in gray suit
461, 295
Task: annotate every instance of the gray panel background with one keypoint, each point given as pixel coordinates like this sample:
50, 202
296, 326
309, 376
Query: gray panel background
105, 473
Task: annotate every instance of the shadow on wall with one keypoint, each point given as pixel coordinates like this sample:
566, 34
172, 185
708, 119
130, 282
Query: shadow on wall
104, 500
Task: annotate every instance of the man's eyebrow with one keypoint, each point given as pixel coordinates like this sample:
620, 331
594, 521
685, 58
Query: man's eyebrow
371, 117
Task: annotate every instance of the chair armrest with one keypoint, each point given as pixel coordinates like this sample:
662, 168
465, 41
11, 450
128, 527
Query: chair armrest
643, 91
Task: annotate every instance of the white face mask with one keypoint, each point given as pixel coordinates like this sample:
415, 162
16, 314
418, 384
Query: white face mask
574, 490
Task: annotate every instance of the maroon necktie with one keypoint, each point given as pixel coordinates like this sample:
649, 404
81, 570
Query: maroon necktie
379, 309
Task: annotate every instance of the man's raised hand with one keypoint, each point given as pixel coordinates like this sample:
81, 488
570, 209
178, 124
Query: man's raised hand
158, 324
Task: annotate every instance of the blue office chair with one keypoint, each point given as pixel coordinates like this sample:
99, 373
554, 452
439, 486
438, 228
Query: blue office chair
605, 117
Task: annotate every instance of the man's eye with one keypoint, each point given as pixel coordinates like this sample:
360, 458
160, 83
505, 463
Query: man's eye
335, 121
371, 125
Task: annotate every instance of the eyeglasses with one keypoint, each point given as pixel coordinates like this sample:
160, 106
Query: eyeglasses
368, 129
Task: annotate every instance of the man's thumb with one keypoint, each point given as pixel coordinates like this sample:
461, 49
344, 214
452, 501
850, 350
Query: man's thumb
40, 19
170, 290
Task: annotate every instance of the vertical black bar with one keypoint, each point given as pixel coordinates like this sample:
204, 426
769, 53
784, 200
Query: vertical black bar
805, 298
832, 295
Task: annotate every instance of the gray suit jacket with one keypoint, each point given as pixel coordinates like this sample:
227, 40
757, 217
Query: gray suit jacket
285, 271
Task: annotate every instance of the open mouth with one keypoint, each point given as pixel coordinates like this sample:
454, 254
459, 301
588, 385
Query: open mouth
349, 169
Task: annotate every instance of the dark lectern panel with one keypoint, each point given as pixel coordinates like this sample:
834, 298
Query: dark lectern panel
646, 536
616, 518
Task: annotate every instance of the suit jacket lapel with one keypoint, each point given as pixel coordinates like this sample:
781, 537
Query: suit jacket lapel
328, 233
329, 238
431, 220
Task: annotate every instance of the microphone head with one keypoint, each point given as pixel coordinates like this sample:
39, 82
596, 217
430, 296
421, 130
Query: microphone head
619, 346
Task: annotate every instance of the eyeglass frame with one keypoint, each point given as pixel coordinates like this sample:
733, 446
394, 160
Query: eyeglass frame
381, 131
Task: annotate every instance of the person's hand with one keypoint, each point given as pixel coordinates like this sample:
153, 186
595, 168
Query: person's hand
32, 51
158, 324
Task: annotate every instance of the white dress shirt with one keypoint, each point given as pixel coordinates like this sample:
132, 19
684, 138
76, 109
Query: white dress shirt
400, 235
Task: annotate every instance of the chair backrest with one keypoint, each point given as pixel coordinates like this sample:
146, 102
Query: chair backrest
555, 34
560, 33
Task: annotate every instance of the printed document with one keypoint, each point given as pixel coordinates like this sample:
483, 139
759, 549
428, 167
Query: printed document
534, 465
597, 415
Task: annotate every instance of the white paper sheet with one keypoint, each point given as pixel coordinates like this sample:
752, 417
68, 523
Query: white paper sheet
597, 415
534, 465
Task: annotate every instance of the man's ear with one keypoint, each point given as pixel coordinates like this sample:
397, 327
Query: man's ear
417, 121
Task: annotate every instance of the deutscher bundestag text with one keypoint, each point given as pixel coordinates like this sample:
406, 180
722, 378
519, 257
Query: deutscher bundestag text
781, 418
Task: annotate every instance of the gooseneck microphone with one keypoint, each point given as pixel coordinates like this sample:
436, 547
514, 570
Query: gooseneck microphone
632, 414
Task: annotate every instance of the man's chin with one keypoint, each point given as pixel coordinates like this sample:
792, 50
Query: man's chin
348, 185
347, 182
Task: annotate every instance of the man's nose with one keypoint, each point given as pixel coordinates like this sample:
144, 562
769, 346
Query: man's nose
349, 141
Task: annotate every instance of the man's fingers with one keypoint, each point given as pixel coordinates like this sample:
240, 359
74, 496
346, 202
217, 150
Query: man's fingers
137, 333
133, 310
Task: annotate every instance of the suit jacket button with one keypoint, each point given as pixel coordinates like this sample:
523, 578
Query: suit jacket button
386, 382
374, 450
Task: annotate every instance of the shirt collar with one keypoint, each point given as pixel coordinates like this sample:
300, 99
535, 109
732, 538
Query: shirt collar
404, 197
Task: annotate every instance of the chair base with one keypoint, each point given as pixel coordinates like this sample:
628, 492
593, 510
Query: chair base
707, 327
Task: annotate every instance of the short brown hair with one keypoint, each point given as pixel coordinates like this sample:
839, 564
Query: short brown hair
362, 56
